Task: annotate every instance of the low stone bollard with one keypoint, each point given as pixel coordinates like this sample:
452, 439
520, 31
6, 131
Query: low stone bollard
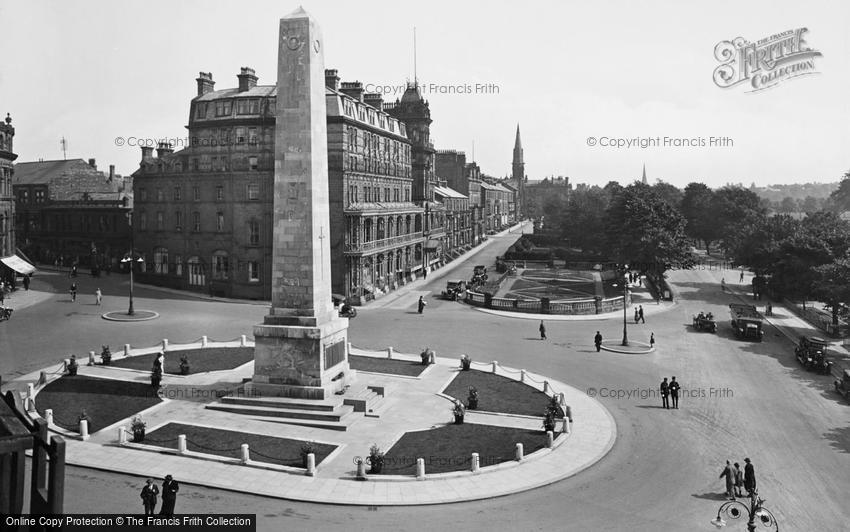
522, 375
165, 344
519, 454
245, 454
204, 341
84, 429
433, 358
48, 416
30, 391
126, 350
91, 358
495, 365
42, 378
550, 439
390, 352
361, 470
545, 386
311, 465
420, 469
181, 443
122, 435
349, 347
566, 428
475, 463
243, 341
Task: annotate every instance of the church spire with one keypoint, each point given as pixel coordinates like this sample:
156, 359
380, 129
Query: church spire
517, 147
643, 179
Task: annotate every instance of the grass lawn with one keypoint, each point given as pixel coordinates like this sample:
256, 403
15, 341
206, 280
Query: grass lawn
105, 401
449, 448
200, 360
386, 365
269, 449
499, 394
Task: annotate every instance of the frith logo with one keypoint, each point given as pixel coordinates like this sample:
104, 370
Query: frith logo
765, 63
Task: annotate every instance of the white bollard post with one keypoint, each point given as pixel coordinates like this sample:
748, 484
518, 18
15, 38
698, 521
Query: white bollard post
349, 347
475, 463
566, 428
181, 443
550, 439
122, 435
245, 454
91, 358
390, 352
48, 416
495, 364
420, 469
433, 358
522, 375
243, 341
361, 470
126, 350
204, 341
165, 344
311, 465
545, 386
30, 391
519, 452
84, 429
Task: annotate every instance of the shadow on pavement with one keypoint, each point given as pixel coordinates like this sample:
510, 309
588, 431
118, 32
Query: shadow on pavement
709, 496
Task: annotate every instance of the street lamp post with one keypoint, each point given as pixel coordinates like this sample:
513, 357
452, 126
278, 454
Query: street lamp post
756, 514
130, 259
624, 271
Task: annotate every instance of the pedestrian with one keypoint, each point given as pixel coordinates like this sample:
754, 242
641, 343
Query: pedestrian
149, 493
665, 392
597, 341
739, 480
170, 487
723, 284
637, 316
640, 313
542, 330
749, 478
159, 362
729, 473
674, 392
2, 294
421, 304
742, 275
73, 291
26, 282
98, 295
652, 340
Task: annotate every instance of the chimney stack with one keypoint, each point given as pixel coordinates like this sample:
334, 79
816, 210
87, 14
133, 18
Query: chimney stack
331, 79
205, 83
147, 153
353, 89
247, 79
111, 172
163, 148
93, 163
374, 99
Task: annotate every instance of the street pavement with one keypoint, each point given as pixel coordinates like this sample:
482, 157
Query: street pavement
740, 399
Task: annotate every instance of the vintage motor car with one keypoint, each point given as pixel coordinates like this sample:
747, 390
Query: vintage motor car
454, 289
811, 352
705, 322
479, 275
746, 322
842, 385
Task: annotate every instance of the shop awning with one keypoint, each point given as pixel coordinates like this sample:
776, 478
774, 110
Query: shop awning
18, 264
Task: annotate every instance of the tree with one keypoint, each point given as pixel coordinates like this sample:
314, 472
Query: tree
669, 193
736, 210
810, 204
696, 207
832, 285
787, 205
585, 218
840, 198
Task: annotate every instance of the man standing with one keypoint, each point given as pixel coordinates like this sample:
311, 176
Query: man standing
665, 391
674, 392
26, 282
597, 341
542, 330
421, 304
73, 291
640, 313
749, 477
169, 495
729, 473
98, 295
149, 493
742, 275
652, 340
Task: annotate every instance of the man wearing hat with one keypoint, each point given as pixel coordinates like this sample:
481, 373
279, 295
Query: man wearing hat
749, 477
169, 495
149, 493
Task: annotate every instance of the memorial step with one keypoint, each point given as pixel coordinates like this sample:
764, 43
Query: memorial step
342, 425
267, 411
326, 405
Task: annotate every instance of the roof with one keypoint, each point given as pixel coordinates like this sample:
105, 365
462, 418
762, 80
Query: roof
493, 186
448, 192
65, 180
257, 91
41, 172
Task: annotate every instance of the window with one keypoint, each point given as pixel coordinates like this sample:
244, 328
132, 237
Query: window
240, 135
196, 193
24, 196
252, 135
219, 221
159, 194
178, 265
196, 272
254, 232
242, 107
254, 272
178, 221
196, 221
160, 220
200, 110
178, 193
253, 191
222, 108
214, 164
252, 163
396, 195
220, 265
196, 164
143, 221
160, 261
254, 106
219, 193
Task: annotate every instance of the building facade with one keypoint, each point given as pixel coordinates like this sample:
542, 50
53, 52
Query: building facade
7, 198
69, 213
458, 220
497, 201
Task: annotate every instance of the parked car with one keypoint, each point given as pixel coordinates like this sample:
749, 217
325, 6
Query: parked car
842, 385
454, 289
811, 352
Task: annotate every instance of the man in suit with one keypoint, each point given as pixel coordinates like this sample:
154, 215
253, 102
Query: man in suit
729, 473
169, 495
749, 477
149, 493
674, 392
665, 391
597, 341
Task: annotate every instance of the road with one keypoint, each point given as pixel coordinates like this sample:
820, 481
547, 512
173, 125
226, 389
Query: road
740, 400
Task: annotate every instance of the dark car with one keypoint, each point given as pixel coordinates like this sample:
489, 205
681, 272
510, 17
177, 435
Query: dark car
811, 352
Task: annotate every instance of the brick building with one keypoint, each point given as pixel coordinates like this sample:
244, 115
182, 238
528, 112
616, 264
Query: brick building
458, 220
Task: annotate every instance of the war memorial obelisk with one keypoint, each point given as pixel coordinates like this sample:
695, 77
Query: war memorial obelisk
301, 348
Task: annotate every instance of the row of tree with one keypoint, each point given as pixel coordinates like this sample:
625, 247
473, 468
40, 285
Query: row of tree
655, 226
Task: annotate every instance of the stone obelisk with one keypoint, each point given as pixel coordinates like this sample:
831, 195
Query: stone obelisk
301, 347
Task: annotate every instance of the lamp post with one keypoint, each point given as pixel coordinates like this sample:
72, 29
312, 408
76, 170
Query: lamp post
131, 260
624, 270
756, 514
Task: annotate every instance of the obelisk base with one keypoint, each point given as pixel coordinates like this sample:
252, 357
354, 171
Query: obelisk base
300, 361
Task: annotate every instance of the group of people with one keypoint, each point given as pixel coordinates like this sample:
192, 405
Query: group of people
737, 478
639, 314
169, 496
669, 390
98, 295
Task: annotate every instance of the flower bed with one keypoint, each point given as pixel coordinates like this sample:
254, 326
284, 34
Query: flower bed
499, 394
200, 360
386, 365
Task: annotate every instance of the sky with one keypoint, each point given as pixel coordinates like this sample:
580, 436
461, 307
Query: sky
565, 71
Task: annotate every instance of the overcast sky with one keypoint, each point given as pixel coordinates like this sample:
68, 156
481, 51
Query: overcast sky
565, 71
